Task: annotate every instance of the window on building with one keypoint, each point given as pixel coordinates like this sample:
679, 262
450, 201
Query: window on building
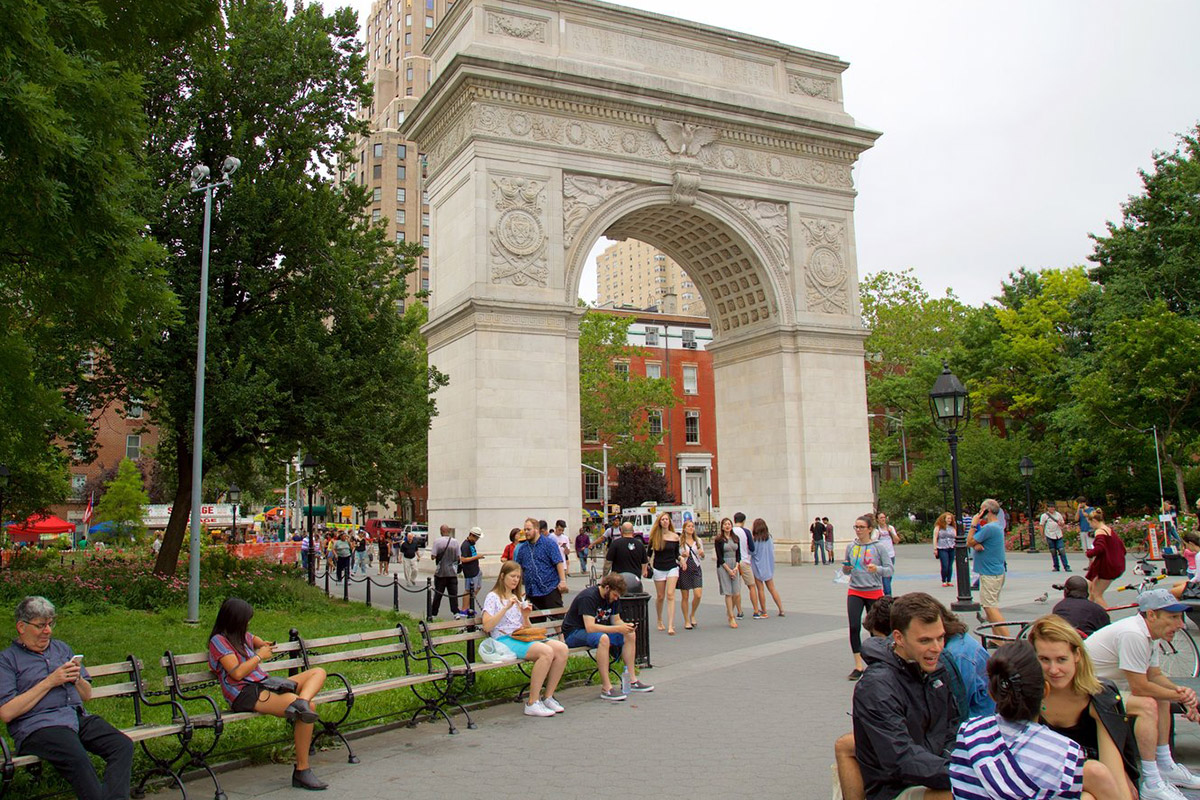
408, 92
425, 263
400, 175
655, 418
689, 336
653, 370
429, 22
377, 151
424, 194
79, 484
591, 487
401, 151
690, 380
377, 195
377, 172
652, 337
400, 195
425, 219
691, 427
425, 241
408, 39
622, 369
399, 236
134, 410
425, 284
133, 447
375, 215
408, 74
400, 216
591, 435
408, 20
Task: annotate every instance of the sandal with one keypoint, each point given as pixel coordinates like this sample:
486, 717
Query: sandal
688, 627
733, 623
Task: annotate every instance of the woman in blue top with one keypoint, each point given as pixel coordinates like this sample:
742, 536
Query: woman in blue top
762, 563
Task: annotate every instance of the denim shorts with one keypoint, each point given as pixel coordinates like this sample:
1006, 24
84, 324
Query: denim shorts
581, 638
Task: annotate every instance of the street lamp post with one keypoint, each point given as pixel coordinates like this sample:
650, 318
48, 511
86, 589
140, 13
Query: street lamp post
308, 468
943, 479
903, 441
5, 474
950, 405
1025, 465
234, 495
200, 175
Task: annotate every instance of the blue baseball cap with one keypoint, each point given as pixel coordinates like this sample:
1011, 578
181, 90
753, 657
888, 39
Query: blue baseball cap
1160, 600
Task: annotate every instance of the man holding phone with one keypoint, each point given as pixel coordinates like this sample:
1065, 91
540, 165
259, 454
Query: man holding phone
43, 686
594, 620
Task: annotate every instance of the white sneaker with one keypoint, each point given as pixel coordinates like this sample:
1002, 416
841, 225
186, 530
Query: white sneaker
539, 709
1180, 775
1163, 791
553, 705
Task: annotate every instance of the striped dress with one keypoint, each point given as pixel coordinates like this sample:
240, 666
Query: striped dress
995, 759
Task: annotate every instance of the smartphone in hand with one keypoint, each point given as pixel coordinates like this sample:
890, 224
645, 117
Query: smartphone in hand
77, 658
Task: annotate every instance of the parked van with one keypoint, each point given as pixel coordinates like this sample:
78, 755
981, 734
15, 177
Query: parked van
643, 516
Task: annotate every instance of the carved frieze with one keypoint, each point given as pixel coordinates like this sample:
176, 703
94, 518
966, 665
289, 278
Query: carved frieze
516, 27
646, 51
825, 275
684, 138
518, 235
582, 194
810, 85
772, 220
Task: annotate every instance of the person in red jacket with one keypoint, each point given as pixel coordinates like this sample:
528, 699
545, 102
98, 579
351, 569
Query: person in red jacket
1107, 556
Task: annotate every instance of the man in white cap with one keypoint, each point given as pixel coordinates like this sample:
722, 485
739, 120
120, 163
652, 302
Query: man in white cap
1127, 653
469, 558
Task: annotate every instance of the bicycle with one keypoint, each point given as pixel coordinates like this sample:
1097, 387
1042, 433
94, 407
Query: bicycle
1180, 657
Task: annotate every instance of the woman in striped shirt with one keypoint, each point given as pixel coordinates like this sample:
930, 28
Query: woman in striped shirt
1009, 756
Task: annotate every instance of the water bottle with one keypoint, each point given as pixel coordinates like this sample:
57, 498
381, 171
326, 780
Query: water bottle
625, 681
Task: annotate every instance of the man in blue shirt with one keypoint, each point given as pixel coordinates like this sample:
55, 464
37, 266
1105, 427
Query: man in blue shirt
986, 536
541, 562
43, 687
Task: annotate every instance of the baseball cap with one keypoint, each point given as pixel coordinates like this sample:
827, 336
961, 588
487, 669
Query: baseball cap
476, 532
1160, 600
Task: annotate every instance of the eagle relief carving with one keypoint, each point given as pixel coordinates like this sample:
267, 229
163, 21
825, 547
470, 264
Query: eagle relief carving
684, 138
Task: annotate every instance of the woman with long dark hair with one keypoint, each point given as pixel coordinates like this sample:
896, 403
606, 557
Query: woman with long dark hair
691, 577
944, 540
762, 562
236, 656
729, 553
868, 566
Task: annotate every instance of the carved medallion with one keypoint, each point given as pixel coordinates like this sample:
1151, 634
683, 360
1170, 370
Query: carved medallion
826, 276
518, 240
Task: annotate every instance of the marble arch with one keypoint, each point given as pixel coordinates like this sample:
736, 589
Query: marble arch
553, 122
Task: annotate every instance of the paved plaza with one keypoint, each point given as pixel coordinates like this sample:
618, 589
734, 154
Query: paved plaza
735, 712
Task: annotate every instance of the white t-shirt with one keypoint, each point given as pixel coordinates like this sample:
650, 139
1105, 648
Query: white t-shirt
1123, 645
1051, 522
744, 540
887, 540
511, 621
564, 544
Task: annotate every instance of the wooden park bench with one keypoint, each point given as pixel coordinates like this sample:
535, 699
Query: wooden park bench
121, 679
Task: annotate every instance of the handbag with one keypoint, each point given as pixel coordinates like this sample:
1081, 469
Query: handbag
278, 685
529, 634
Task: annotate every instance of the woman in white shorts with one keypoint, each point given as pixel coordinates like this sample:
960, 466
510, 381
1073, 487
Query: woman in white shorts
664, 550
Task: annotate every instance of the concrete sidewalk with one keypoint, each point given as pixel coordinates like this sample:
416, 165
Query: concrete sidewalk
734, 711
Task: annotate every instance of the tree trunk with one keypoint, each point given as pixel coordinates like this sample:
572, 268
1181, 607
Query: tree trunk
1180, 489
177, 525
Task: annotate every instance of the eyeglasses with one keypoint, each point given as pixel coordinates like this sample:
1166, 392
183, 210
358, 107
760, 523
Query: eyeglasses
860, 525
47, 625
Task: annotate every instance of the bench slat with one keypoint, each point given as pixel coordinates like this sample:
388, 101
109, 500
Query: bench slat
350, 655
369, 636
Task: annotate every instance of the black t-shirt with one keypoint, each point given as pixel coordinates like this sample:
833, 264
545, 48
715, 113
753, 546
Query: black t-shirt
627, 555
469, 568
817, 530
1083, 614
589, 603
408, 549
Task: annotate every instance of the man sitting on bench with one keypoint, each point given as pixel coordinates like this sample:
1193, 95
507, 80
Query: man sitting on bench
43, 686
594, 620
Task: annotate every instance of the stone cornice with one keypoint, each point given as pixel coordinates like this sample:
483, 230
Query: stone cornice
495, 315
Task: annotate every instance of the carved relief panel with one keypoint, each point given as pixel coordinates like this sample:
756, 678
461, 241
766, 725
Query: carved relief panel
517, 235
826, 277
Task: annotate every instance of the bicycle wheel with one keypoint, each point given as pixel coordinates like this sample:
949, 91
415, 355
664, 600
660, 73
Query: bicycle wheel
1179, 658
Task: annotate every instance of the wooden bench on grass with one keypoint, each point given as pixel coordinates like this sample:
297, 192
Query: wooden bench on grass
438, 636
121, 679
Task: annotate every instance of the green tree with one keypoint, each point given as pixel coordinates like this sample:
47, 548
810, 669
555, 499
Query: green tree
306, 348
124, 502
637, 484
613, 402
77, 272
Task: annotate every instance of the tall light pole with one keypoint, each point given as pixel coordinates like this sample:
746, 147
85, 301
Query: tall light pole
234, 495
1025, 465
903, 441
943, 479
200, 175
5, 474
308, 468
950, 405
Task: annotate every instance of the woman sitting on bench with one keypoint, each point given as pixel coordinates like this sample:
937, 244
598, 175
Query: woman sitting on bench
506, 610
235, 656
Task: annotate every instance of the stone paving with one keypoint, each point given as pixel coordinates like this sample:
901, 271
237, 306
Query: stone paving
734, 711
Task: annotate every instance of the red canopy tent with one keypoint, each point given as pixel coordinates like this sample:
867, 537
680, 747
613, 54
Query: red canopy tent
32, 529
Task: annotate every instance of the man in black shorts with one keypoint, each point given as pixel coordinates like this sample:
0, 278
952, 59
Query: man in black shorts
627, 554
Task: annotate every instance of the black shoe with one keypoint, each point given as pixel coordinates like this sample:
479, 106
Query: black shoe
854, 675
301, 711
1054, 570
304, 779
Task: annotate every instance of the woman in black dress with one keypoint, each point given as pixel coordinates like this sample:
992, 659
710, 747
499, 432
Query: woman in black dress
691, 578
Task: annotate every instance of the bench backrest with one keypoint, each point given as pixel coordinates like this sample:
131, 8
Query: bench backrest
470, 631
393, 642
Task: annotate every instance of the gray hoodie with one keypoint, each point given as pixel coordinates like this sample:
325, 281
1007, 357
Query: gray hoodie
858, 556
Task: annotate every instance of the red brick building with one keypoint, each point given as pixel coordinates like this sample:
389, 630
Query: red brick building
675, 347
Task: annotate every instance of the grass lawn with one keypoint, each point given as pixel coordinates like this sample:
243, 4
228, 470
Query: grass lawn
112, 635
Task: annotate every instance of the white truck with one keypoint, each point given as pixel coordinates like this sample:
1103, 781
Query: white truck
643, 516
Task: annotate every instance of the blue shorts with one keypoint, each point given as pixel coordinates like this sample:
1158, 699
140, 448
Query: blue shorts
581, 638
518, 647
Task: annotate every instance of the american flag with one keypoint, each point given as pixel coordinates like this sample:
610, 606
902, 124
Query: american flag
87, 514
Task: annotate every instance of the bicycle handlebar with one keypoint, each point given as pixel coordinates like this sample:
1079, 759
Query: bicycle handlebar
1145, 582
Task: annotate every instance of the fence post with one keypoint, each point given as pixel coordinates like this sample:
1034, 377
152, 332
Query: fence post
327, 578
369, 582
346, 588
428, 598
395, 592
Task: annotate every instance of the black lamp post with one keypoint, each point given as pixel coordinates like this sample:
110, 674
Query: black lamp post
1025, 465
234, 495
943, 481
4, 476
308, 468
950, 405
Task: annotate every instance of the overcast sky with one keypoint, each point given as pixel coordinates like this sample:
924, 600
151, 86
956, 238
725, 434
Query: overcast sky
1010, 130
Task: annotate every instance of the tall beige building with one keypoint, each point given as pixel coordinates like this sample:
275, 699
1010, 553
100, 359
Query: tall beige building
390, 167
632, 273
